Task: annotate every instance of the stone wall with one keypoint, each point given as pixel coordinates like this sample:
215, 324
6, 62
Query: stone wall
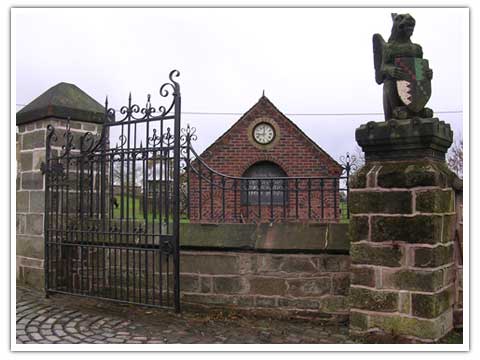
314, 285
281, 269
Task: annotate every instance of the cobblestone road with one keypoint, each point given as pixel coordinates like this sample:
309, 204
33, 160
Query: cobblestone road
72, 320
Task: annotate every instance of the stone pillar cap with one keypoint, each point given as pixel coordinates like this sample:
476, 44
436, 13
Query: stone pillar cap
408, 139
64, 101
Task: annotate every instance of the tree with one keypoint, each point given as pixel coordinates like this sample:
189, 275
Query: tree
455, 158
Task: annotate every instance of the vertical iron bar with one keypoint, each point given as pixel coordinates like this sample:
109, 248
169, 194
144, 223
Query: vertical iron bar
335, 197
271, 201
322, 198
309, 198
176, 209
235, 200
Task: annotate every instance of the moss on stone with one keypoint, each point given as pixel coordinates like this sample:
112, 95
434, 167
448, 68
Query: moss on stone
358, 228
363, 276
433, 257
358, 320
375, 255
435, 201
408, 326
432, 305
389, 202
408, 174
425, 229
416, 280
449, 224
373, 300
358, 180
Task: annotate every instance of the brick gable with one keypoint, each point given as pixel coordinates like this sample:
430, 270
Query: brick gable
298, 155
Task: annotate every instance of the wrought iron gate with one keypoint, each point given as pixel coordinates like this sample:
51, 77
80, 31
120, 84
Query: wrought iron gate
112, 205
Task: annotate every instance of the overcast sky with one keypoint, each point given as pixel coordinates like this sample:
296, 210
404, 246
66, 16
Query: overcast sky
307, 61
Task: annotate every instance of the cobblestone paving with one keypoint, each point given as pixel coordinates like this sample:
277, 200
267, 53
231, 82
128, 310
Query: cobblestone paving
72, 320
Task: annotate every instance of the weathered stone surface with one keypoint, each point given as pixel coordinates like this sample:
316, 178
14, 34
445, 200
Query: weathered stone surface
278, 236
22, 201
363, 276
333, 263
426, 229
208, 263
31, 246
26, 161
20, 223
34, 224
206, 284
405, 139
431, 329
335, 304
376, 255
337, 237
298, 303
373, 300
358, 320
435, 201
33, 277
29, 262
265, 301
432, 305
228, 285
33, 140
405, 302
32, 180
359, 179
449, 226
414, 174
415, 280
37, 201
297, 264
433, 257
222, 235
340, 284
189, 283
309, 286
268, 286
358, 228
386, 202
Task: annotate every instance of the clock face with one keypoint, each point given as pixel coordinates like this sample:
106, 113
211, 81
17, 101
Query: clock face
263, 133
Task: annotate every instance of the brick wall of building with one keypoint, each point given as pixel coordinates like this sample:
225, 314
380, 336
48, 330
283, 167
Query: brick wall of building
235, 151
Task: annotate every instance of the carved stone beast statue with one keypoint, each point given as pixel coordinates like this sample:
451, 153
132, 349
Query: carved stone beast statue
399, 65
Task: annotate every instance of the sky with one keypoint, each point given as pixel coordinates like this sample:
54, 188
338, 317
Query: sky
308, 61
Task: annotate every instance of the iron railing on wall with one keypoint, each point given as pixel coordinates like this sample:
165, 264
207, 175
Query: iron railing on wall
213, 197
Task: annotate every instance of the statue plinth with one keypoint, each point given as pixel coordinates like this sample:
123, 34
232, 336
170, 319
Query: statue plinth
408, 139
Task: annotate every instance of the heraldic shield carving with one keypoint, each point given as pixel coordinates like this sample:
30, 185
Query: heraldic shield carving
415, 90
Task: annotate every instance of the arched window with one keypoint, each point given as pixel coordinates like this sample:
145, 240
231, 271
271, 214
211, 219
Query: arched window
272, 191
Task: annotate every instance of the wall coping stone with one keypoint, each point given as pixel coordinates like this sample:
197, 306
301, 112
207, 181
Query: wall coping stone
266, 237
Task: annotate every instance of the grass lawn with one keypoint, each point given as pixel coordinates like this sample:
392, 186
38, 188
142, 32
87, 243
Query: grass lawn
131, 203
343, 213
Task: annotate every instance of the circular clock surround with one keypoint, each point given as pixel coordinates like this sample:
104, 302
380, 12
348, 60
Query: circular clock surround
269, 123
263, 133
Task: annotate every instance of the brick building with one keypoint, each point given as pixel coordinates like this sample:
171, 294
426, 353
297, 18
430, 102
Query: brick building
264, 144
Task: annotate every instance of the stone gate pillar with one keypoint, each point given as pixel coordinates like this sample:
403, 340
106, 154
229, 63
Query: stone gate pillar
401, 229
61, 102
